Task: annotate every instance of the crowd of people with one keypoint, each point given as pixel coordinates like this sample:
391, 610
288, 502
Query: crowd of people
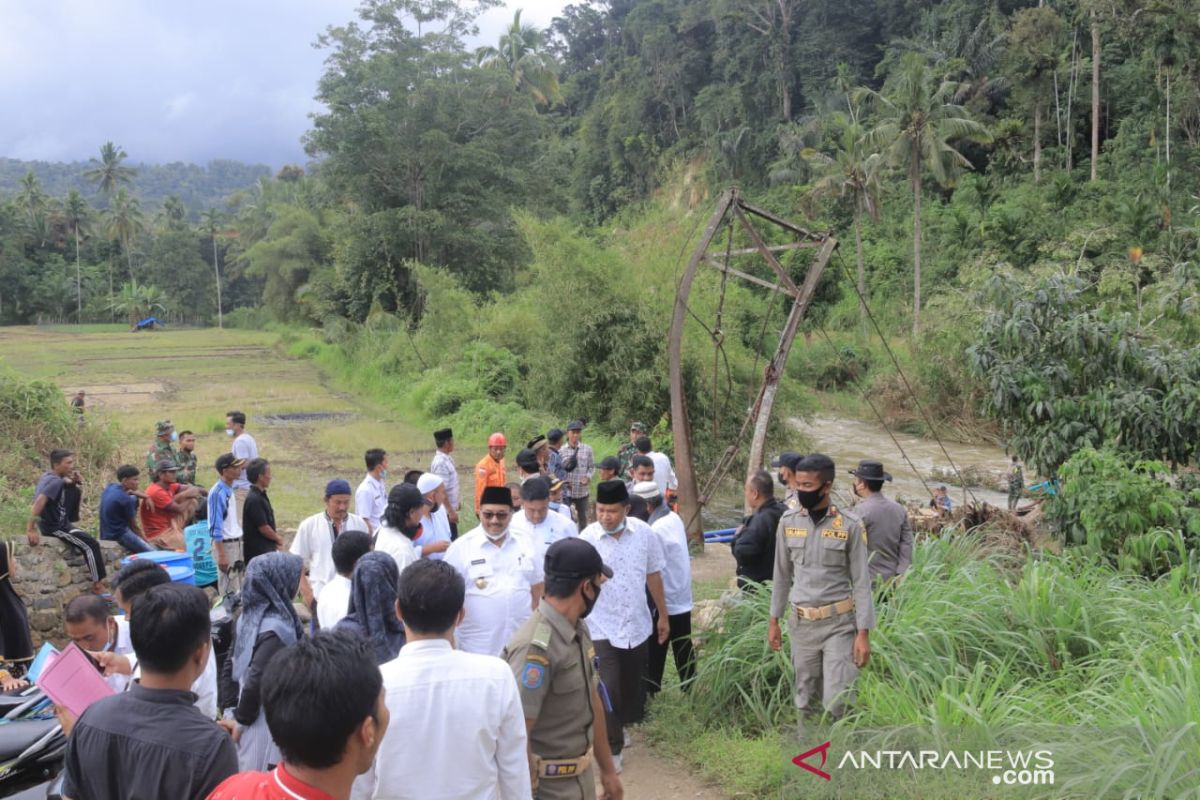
381, 653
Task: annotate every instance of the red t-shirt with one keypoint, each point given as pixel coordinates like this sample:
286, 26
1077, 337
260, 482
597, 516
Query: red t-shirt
278, 784
154, 519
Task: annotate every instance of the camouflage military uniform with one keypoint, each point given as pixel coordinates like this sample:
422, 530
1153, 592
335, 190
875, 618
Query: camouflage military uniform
822, 587
187, 466
161, 451
555, 666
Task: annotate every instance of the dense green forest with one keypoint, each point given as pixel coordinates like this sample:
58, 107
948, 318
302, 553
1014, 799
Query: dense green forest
495, 234
197, 187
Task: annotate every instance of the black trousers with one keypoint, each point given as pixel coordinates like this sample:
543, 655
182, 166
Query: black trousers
90, 548
621, 671
680, 642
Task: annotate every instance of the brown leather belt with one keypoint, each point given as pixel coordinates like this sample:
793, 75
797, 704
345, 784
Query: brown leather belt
825, 612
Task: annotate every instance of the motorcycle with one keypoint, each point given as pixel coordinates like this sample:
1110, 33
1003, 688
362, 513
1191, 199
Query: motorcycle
32, 745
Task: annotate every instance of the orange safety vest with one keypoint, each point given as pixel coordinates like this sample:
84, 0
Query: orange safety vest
488, 472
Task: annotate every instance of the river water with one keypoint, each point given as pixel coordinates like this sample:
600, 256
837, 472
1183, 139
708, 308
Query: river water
847, 441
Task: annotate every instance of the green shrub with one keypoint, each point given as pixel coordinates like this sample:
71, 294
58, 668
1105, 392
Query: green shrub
1127, 511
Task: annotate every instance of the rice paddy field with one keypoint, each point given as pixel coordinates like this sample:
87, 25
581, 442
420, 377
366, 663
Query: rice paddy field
311, 431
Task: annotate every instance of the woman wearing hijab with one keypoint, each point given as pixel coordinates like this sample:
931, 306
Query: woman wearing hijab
372, 614
268, 624
16, 645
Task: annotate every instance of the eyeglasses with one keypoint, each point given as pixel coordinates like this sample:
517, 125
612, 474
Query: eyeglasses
494, 514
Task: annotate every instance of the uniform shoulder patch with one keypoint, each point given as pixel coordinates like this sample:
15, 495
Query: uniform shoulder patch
533, 675
541, 635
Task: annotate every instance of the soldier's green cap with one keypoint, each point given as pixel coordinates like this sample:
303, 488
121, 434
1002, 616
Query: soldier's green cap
164, 426
640, 427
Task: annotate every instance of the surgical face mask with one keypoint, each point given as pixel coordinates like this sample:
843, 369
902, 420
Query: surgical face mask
590, 602
229, 431
495, 537
810, 499
555, 506
382, 474
174, 436
615, 530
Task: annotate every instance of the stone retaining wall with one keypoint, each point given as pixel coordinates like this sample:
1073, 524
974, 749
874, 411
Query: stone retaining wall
48, 576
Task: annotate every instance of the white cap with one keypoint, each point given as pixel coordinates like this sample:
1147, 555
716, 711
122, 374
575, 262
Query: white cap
428, 482
647, 489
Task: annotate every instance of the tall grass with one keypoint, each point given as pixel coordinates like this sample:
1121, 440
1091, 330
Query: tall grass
975, 649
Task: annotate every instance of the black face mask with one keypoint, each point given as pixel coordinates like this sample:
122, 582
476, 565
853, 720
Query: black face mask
413, 532
810, 499
590, 603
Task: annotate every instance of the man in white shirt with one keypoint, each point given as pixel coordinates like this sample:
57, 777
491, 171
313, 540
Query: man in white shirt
370, 498
315, 535
435, 524
244, 448
464, 727
335, 597
677, 590
536, 520
502, 569
664, 473
88, 624
402, 526
121, 662
443, 466
620, 623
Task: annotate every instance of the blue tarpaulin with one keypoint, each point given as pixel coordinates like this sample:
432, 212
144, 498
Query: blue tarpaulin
148, 322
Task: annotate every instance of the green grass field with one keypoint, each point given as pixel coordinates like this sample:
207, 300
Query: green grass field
193, 377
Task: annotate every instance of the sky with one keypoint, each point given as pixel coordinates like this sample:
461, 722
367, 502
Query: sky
174, 80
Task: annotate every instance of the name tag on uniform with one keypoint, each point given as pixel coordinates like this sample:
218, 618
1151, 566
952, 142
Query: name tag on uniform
797, 533
834, 533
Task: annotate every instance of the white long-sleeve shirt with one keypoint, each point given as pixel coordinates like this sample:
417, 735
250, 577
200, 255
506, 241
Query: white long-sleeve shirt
499, 582
664, 473
458, 729
554, 527
314, 543
677, 572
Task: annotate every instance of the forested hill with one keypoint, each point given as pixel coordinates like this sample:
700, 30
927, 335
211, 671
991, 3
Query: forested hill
199, 187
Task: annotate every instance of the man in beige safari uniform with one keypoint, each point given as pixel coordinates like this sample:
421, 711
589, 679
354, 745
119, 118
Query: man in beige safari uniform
822, 587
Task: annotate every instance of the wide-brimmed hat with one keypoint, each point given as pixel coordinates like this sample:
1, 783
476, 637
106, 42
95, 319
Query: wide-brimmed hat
869, 470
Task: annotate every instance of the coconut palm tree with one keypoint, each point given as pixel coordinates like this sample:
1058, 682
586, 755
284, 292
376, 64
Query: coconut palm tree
110, 174
32, 200
917, 118
77, 215
136, 302
210, 223
125, 223
521, 52
853, 176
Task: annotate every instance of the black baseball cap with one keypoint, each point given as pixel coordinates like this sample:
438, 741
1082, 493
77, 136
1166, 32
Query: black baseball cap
787, 458
574, 558
227, 460
406, 497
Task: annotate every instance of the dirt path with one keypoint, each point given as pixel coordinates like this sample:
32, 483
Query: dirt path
645, 776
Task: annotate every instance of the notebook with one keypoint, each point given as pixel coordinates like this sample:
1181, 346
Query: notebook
71, 680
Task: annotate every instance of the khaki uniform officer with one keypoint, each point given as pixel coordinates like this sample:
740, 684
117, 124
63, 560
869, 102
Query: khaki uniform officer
555, 664
822, 587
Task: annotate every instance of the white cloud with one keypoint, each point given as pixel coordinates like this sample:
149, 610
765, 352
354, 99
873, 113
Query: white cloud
173, 81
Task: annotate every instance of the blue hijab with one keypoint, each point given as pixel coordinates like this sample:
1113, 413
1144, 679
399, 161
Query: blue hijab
372, 612
272, 580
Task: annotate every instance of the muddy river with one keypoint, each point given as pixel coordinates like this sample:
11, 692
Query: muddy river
847, 441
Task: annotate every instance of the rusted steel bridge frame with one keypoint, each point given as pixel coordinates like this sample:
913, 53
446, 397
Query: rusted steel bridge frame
730, 206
